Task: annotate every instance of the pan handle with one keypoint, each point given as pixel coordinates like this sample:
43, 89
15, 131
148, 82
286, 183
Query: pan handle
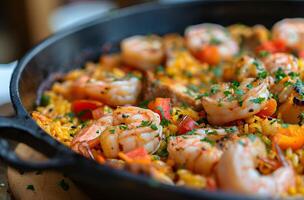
19, 130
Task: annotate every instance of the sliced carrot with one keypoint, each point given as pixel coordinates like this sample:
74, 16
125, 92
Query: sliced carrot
269, 109
209, 54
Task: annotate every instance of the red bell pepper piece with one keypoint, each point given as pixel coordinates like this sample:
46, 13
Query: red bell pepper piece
83, 108
187, 124
273, 46
162, 106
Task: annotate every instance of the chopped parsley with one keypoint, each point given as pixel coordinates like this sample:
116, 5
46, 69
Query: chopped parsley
249, 86
160, 69
123, 127
231, 129
125, 116
164, 121
214, 89
45, 100
252, 137
64, 185
262, 75
215, 41
284, 125
279, 75
301, 118
263, 53
208, 141
217, 71
143, 104
30, 187
227, 93
112, 131
258, 100
206, 94
145, 123
235, 84
192, 132
154, 127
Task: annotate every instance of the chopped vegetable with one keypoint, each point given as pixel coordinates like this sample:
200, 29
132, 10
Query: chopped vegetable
64, 185
269, 109
30, 187
291, 136
83, 108
187, 124
162, 106
45, 100
209, 54
273, 46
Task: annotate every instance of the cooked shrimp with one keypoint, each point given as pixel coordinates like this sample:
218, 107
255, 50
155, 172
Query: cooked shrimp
198, 36
142, 52
133, 127
248, 67
91, 132
229, 102
236, 171
283, 89
114, 92
193, 152
286, 62
291, 31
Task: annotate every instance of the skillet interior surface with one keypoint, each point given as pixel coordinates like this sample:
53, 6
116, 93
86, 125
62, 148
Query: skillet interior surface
71, 48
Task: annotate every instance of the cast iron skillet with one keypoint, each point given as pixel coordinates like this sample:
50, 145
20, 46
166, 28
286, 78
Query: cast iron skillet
71, 48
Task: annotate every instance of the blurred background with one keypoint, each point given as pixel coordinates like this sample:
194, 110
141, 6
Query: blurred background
23, 23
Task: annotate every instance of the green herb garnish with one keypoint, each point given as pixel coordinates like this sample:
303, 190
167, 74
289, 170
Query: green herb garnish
45, 100
258, 100
64, 185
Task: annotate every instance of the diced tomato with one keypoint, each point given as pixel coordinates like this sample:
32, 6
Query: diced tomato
162, 106
269, 109
98, 113
187, 124
139, 153
83, 108
273, 46
301, 54
209, 54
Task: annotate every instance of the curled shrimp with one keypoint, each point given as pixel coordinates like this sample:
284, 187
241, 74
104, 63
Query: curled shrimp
132, 127
142, 52
248, 67
228, 102
193, 152
126, 129
291, 31
111, 92
91, 132
286, 62
198, 36
236, 170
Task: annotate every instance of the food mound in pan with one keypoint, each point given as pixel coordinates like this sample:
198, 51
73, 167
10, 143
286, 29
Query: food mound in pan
218, 108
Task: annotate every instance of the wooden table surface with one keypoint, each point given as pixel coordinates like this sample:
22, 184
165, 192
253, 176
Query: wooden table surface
45, 185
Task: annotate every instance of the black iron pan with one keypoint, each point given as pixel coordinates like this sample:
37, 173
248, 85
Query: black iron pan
71, 48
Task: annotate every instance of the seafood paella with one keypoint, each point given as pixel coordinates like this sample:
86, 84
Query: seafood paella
217, 108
